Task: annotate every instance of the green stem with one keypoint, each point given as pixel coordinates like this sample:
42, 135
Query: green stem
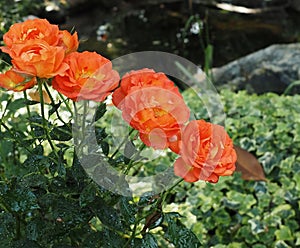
289, 88
53, 103
122, 143
40, 87
131, 163
18, 227
5, 109
165, 193
132, 235
186, 72
28, 113
80, 117
160, 203
65, 102
208, 53
76, 123
84, 118
27, 107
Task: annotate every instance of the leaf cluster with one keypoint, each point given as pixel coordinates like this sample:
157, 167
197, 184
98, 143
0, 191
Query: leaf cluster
48, 200
238, 213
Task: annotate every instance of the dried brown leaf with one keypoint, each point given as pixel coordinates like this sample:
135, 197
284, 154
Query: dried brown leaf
248, 165
35, 96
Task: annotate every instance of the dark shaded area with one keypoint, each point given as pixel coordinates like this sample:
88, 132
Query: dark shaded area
131, 26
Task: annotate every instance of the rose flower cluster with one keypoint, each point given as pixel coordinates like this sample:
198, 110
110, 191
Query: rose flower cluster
150, 102
39, 49
153, 105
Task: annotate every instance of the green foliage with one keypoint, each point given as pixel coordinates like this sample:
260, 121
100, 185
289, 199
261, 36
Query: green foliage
47, 199
237, 213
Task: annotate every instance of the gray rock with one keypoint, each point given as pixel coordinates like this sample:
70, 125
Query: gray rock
268, 70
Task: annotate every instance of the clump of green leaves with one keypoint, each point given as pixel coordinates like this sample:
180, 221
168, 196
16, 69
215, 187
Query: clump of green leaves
238, 213
47, 199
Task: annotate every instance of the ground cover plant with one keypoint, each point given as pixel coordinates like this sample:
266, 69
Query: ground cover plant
239, 213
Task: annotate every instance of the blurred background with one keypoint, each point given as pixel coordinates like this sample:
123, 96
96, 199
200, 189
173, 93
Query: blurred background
211, 32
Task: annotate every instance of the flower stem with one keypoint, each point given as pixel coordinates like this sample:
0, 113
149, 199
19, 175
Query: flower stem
53, 103
85, 105
75, 123
28, 113
131, 163
121, 144
132, 235
65, 102
164, 194
18, 227
158, 207
27, 107
40, 87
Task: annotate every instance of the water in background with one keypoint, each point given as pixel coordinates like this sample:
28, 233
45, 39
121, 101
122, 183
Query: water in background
173, 26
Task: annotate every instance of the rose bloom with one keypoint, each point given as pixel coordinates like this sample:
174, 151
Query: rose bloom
206, 153
12, 80
157, 113
38, 47
136, 80
69, 42
89, 77
36, 29
37, 58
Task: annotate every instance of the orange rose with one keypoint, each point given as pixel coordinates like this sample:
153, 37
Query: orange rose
174, 142
38, 48
206, 153
36, 29
12, 80
39, 59
89, 77
157, 113
136, 80
67, 41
